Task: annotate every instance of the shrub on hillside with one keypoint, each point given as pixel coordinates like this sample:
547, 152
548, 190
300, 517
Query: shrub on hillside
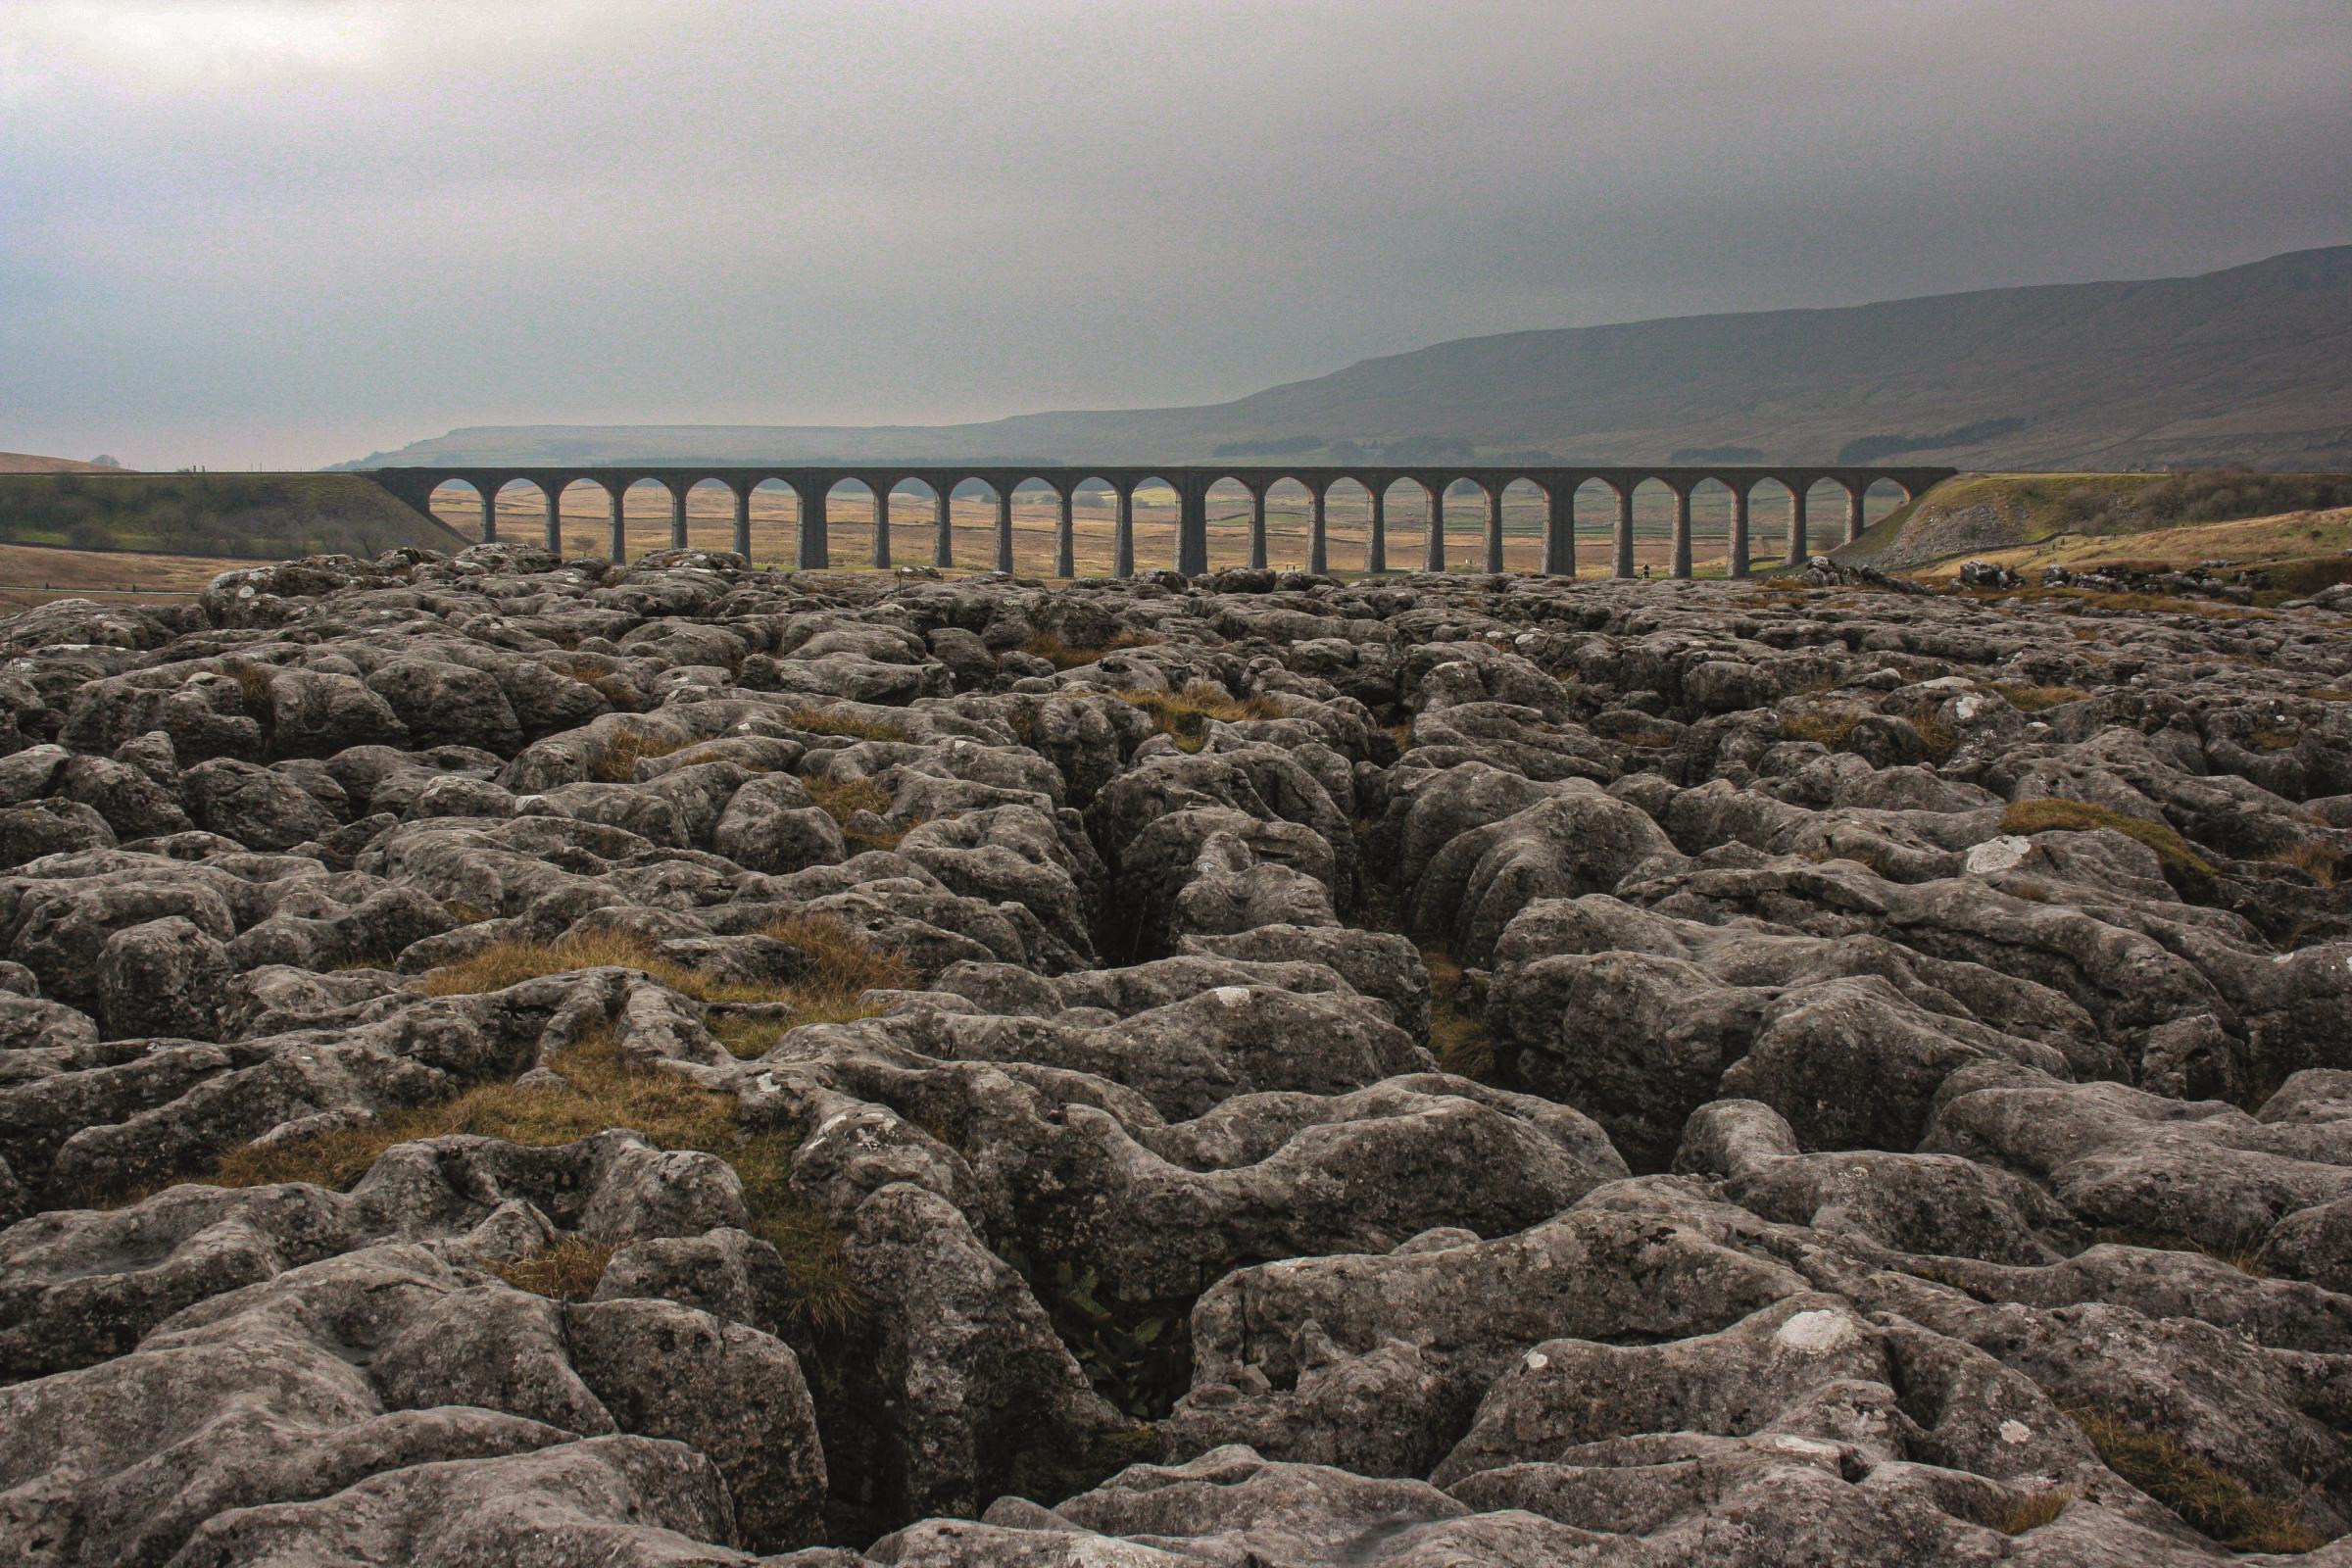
2222, 495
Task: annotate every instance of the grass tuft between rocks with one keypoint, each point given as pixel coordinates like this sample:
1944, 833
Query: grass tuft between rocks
2314, 860
1184, 717
604, 1093
2037, 699
841, 966
843, 799
1822, 727
604, 677
513, 962
253, 685
748, 1038
1457, 1035
838, 966
1062, 655
568, 1271
825, 1297
2040, 1509
1936, 733
2077, 816
602, 1090
2160, 604
818, 721
2207, 1499
616, 763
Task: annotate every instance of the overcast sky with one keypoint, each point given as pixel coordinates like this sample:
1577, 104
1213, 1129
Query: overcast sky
240, 233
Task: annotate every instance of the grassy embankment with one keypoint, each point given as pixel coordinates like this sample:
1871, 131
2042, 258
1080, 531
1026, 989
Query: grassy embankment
2295, 527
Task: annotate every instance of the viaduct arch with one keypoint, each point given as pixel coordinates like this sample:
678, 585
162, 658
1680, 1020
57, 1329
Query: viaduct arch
1555, 486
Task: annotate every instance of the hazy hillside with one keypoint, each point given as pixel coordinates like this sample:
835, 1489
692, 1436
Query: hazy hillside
27, 463
2252, 364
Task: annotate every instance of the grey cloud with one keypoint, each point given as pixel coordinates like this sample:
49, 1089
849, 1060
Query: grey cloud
301, 230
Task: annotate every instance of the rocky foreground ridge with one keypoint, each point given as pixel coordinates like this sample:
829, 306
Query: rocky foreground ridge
505, 1061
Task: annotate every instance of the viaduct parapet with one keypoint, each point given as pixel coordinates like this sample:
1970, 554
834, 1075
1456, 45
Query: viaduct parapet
1558, 486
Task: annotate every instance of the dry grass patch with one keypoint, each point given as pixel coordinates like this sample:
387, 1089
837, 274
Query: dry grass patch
603, 676
747, 1038
2329, 693
603, 1092
842, 966
568, 1271
510, 963
2208, 1499
2037, 699
2274, 740
616, 763
333, 1159
2314, 860
1826, 727
825, 1297
842, 798
1936, 735
253, 684
839, 965
1184, 717
817, 721
43, 573
2034, 1512
1457, 1035
2076, 817
1062, 655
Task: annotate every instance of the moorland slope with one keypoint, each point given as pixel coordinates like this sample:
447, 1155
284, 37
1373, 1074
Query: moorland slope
2250, 365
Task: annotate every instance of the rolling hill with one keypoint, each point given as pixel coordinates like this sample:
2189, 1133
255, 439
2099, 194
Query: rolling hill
27, 462
2252, 366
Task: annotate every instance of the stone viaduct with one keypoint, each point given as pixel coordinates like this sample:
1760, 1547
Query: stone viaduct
1557, 484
